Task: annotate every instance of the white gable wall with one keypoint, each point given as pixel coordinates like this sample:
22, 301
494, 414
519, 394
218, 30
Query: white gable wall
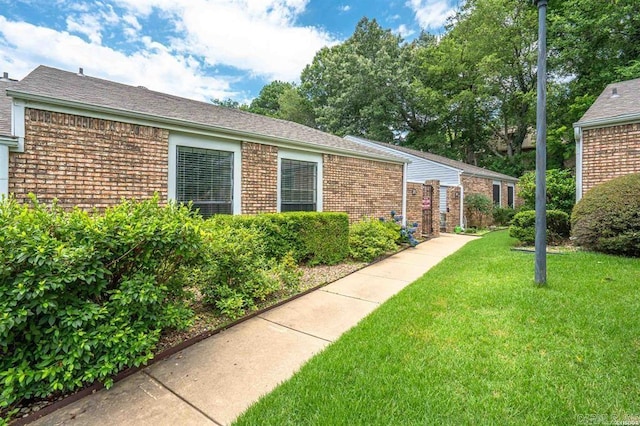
420, 169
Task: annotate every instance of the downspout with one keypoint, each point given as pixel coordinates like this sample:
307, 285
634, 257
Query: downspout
405, 169
577, 133
4, 171
462, 224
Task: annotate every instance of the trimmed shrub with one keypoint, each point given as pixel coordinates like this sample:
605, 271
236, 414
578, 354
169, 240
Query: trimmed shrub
84, 296
607, 218
235, 273
502, 216
477, 206
371, 238
561, 190
523, 227
310, 237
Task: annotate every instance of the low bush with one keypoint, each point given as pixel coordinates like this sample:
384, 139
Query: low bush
83, 296
523, 227
502, 216
235, 273
607, 218
310, 237
477, 207
561, 190
371, 238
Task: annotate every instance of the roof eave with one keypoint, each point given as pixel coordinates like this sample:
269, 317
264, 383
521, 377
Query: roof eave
245, 136
609, 121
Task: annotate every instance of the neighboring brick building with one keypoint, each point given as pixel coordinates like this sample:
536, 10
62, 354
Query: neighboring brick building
452, 180
90, 142
608, 136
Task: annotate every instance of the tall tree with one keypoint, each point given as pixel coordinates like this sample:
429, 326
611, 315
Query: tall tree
283, 100
355, 87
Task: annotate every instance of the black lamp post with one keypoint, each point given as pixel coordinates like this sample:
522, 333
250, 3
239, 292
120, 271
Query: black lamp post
541, 148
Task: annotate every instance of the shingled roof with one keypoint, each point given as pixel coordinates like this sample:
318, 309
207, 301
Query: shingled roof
5, 107
463, 167
618, 101
55, 86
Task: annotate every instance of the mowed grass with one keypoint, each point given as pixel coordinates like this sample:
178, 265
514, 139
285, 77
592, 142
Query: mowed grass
474, 341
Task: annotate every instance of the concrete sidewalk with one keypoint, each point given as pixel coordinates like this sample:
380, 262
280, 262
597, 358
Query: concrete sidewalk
214, 381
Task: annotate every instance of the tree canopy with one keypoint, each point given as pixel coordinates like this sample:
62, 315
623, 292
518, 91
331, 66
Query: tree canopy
469, 94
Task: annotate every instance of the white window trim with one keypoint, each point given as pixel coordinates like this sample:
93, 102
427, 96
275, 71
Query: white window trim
497, 182
192, 141
302, 156
513, 187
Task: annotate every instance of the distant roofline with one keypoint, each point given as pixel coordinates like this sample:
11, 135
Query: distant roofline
459, 169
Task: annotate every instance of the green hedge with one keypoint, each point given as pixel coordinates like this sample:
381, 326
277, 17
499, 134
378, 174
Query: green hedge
83, 296
607, 218
523, 226
311, 237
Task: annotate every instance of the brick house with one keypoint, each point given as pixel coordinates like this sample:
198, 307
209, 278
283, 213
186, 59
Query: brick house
608, 136
452, 180
90, 142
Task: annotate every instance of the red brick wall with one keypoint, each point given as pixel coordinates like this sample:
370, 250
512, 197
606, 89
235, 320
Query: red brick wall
608, 153
259, 178
88, 162
453, 208
361, 187
414, 204
478, 185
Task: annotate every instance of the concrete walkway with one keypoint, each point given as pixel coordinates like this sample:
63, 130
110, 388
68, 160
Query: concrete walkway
214, 381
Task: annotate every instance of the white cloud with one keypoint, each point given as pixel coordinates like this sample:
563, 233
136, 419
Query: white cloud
86, 24
259, 38
155, 67
431, 14
345, 8
404, 31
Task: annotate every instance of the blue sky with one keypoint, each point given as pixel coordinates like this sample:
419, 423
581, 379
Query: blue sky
200, 49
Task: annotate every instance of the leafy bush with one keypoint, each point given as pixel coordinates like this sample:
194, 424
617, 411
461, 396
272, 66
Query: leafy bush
503, 215
477, 206
235, 273
607, 218
83, 296
310, 237
561, 190
371, 238
406, 233
523, 226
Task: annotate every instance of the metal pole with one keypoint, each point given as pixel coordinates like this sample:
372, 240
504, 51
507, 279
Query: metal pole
541, 148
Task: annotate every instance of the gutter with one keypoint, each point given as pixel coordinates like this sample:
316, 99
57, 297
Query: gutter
184, 125
607, 122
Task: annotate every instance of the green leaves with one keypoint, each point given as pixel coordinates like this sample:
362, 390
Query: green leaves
83, 296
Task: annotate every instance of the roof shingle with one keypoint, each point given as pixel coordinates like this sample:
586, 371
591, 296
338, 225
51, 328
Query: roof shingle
5, 107
88, 92
617, 100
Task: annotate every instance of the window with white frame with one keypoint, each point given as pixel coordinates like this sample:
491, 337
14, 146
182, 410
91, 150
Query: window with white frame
497, 194
511, 196
299, 181
298, 185
205, 177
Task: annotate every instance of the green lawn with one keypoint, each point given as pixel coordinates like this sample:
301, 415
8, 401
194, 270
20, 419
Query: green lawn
475, 342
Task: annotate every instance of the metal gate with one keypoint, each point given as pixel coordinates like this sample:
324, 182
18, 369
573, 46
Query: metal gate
427, 213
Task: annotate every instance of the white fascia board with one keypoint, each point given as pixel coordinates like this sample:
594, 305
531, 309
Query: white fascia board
578, 137
174, 124
409, 157
608, 122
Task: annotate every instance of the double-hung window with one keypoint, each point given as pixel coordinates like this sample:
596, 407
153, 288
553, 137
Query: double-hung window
511, 196
205, 177
497, 194
298, 185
